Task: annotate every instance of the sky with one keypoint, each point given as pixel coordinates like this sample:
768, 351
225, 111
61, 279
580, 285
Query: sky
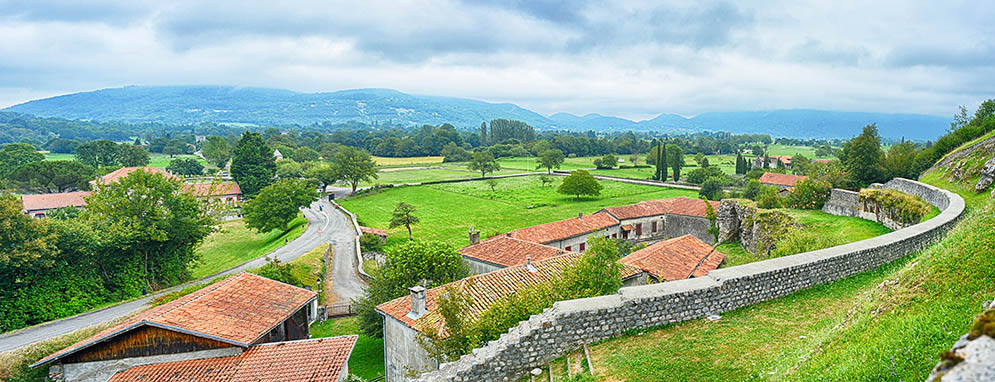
633, 59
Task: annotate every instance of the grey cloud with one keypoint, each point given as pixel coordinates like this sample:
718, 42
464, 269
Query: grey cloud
815, 51
977, 56
100, 11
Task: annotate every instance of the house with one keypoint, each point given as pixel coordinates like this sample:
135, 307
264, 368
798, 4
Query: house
406, 317
773, 160
569, 234
277, 154
784, 181
675, 259
225, 319
503, 251
662, 219
37, 206
229, 192
320, 359
116, 175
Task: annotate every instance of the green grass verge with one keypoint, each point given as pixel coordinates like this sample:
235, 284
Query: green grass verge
234, 244
366, 360
14, 364
448, 210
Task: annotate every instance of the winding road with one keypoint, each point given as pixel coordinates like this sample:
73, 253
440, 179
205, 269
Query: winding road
326, 225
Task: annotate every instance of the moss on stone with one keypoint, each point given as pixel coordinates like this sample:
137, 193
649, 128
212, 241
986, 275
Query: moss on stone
984, 325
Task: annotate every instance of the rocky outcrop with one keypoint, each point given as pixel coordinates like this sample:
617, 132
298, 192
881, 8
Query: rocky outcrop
973, 356
756, 229
987, 175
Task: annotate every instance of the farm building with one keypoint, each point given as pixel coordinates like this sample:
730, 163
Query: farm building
38, 206
780, 180
569, 234
503, 251
226, 319
773, 161
229, 192
654, 220
676, 259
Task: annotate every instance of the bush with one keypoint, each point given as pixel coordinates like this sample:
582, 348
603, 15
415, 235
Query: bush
752, 189
809, 194
711, 189
769, 198
606, 162
370, 243
755, 173
800, 240
904, 208
700, 175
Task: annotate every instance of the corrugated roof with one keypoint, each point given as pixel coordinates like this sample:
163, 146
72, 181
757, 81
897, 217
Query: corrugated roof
562, 229
508, 252
238, 310
51, 201
486, 289
676, 259
780, 179
321, 359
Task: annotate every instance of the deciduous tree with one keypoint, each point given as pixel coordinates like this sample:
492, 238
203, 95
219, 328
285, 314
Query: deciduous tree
579, 183
13, 155
278, 204
132, 156
98, 153
862, 156
550, 159
484, 162
53, 176
404, 216
217, 150
253, 165
354, 166
185, 166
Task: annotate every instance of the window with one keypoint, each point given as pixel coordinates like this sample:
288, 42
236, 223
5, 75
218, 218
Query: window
582, 246
654, 227
614, 236
567, 248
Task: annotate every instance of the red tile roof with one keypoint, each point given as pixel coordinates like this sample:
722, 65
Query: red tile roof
786, 159
116, 175
374, 231
677, 206
676, 259
52, 201
321, 359
780, 179
238, 310
559, 230
822, 160
211, 189
508, 252
486, 289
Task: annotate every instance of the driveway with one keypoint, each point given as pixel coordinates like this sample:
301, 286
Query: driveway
319, 231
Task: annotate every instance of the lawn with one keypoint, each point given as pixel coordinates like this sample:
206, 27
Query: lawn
308, 269
448, 210
366, 360
234, 243
426, 174
525, 164
807, 151
890, 323
387, 161
156, 160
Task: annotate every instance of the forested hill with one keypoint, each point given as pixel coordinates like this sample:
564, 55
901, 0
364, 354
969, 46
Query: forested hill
195, 104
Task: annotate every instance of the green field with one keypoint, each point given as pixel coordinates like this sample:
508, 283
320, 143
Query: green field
406, 161
426, 174
448, 210
155, 160
234, 244
527, 164
366, 360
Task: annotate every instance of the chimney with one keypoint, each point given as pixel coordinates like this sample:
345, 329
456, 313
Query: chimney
580, 214
474, 236
528, 265
417, 302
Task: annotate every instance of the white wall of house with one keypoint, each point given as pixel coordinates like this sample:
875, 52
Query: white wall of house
646, 230
479, 266
403, 356
574, 243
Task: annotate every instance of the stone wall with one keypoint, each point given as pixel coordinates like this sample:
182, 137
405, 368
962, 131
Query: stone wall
849, 203
756, 230
570, 324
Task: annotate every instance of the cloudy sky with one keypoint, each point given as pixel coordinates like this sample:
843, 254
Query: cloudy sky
627, 58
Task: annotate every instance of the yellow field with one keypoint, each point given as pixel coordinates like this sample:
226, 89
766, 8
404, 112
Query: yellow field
384, 161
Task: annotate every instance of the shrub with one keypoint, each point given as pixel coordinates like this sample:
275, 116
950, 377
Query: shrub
809, 194
903, 207
711, 189
700, 175
370, 243
769, 198
800, 240
752, 189
755, 173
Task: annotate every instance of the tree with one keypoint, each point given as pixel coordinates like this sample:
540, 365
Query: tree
411, 263
862, 156
253, 165
23, 240
14, 155
700, 175
579, 183
52, 176
899, 162
545, 179
483, 134
675, 157
174, 148
185, 166
491, 183
404, 216
288, 168
278, 204
740, 164
98, 153
216, 150
752, 189
132, 156
354, 166
484, 162
453, 153
150, 229
606, 162
321, 174
711, 189
661, 161
704, 163
550, 159
698, 158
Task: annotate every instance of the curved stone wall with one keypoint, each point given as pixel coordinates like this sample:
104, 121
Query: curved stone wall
570, 324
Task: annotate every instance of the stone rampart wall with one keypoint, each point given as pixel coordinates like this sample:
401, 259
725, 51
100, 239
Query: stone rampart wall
570, 324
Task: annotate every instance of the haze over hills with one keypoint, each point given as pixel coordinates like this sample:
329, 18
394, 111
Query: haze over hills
259, 106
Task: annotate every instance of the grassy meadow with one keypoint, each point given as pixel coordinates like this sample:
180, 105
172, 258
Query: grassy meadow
448, 210
234, 243
407, 161
155, 160
366, 360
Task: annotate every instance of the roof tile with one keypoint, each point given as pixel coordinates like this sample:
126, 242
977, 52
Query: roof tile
52, 201
508, 252
676, 259
562, 229
780, 179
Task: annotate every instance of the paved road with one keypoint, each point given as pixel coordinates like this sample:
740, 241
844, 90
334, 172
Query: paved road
318, 231
346, 284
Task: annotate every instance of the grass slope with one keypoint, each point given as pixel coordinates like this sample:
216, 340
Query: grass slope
366, 360
448, 210
234, 244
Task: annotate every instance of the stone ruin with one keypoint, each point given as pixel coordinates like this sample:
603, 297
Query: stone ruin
756, 229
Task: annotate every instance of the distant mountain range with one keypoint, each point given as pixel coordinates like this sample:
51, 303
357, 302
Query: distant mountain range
258, 106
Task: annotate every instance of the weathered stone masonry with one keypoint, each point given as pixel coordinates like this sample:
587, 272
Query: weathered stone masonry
570, 324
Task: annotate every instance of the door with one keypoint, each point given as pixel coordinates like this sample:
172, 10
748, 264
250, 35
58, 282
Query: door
639, 229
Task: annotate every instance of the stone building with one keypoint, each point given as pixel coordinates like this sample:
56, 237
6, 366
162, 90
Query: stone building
569, 234
406, 317
773, 161
503, 251
37, 206
228, 192
680, 258
116, 175
228, 319
654, 220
